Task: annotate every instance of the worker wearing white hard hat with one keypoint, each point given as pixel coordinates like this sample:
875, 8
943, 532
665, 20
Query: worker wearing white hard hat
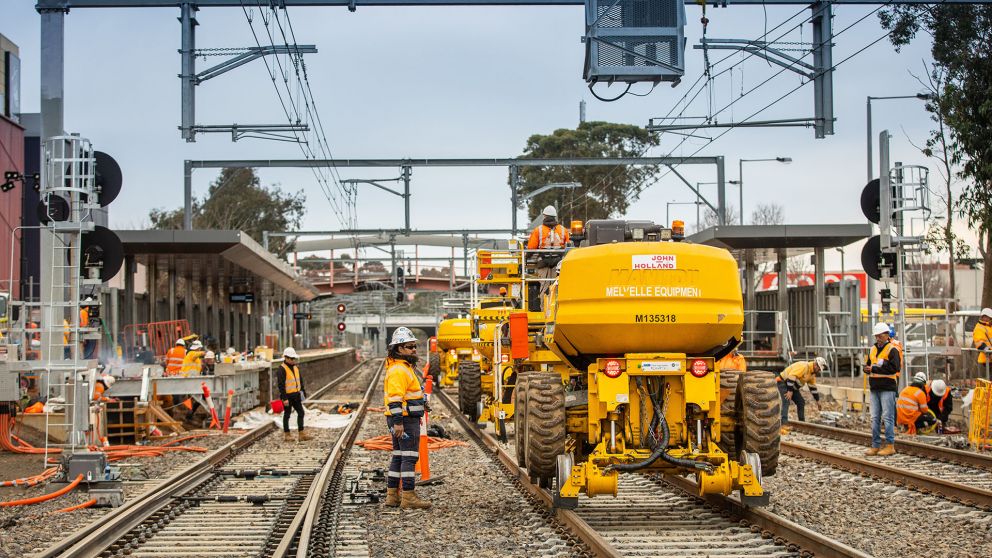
790, 382
982, 339
882, 367
102, 384
912, 410
174, 358
549, 235
292, 393
940, 401
405, 405
193, 361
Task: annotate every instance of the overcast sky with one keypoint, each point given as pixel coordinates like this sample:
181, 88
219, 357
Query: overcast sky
461, 82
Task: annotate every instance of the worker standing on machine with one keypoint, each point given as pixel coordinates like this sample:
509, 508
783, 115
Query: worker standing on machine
912, 409
174, 358
291, 392
883, 366
790, 382
405, 404
982, 339
549, 235
939, 400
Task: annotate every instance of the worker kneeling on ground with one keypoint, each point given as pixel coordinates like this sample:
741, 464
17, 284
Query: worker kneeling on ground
940, 401
291, 392
912, 409
405, 404
790, 382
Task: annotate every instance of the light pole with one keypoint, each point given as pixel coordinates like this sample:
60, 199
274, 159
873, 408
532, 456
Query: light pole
920, 96
740, 176
668, 205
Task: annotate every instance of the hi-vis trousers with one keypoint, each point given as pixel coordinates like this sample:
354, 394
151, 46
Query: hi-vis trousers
405, 453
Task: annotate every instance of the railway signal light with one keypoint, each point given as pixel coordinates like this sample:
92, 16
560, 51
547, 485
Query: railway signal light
341, 327
342, 308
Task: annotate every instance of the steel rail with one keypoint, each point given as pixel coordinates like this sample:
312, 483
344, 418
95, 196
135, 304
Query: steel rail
951, 490
600, 546
818, 544
909, 447
301, 526
789, 531
104, 530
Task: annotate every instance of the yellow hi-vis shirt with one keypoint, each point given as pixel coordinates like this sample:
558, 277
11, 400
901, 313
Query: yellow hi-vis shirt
402, 392
192, 363
982, 340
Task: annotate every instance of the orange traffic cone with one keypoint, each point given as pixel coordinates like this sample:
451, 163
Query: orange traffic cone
423, 462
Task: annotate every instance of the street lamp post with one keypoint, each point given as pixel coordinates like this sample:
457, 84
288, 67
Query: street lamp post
740, 176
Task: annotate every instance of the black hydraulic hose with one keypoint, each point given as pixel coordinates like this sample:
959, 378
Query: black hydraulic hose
661, 451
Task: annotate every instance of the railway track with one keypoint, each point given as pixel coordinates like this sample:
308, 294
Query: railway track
959, 476
247, 499
660, 516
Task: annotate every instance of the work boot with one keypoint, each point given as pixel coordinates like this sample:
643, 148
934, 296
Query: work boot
287, 436
887, 450
409, 500
872, 451
392, 497
303, 437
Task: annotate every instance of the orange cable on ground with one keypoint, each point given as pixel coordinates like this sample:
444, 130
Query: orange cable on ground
32, 480
85, 504
384, 443
7, 439
46, 497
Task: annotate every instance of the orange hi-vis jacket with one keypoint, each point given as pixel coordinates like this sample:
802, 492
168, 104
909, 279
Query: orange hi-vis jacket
543, 237
174, 360
403, 394
982, 340
911, 404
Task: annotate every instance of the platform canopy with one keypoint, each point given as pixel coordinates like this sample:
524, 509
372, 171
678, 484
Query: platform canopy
233, 254
767, 240
346, 243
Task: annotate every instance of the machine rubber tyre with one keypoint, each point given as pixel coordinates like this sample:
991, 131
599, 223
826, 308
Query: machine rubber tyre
520, 419
470, 389
730, 434
762, 413
434, 367
545, 426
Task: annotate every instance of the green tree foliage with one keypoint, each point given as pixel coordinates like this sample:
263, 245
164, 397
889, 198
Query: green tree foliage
962, 51
605, 190
238, 201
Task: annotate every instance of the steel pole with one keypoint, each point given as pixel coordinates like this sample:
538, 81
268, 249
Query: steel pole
740, 186
721, 189
188, 70
188, 197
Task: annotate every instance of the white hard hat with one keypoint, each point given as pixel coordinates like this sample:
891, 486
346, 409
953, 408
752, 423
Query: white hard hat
108, 380
181, 342
920, 377
987, 312
231, 351
880, 328
550, 211
289, 352
402, 335
822, 363
210, 354
939, 387
196, 345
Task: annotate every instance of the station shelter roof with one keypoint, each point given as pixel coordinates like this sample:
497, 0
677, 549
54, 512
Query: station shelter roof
796, 240
231, 254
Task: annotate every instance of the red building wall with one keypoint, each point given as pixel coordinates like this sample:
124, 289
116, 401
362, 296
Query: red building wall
11, 159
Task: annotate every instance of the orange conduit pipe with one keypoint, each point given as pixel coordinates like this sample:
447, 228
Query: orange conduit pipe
32, 480
385, 444
85, 504
46, 497
7, 439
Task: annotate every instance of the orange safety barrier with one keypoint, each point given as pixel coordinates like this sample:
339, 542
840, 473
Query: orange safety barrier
85, 504
44, 498
161, 336
423, 465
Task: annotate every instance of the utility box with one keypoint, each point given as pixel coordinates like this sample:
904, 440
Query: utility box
10, 385
634, 40
91, 464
